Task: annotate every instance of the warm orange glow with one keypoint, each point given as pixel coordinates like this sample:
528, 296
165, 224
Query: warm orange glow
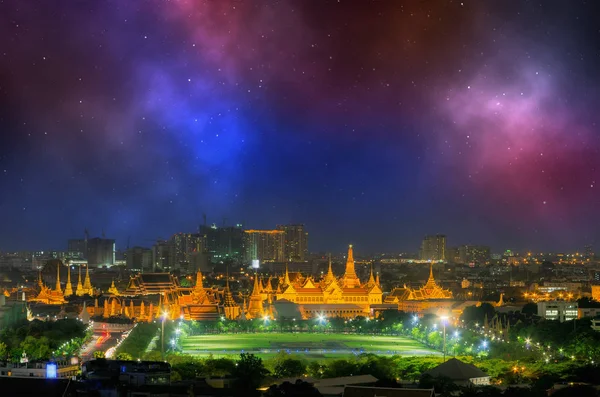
265, 231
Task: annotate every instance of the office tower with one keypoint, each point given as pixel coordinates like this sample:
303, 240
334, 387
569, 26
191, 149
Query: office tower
223, 243
588, 252
434, 248
98, 251
453, 254
474, 253
264, 245
78, 245
101, 252
295, 242
185, 244
163, 256
139, 259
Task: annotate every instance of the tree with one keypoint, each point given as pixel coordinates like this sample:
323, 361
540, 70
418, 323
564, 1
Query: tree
441, 384
36, 348
3, 351
124, 356
99, 354
297, 389
219, 366
381, 367
529, 308
315, 369
289, 367
338, 368
189, 370
249, 372
579, 391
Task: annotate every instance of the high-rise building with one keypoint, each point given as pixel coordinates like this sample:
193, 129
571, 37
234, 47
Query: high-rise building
433, 248
78, 245
185, 244
588, 252
264, 245
98, 251
453, 254
139, 259
223, 243
474, 254
295, 242
101, 252
163, 255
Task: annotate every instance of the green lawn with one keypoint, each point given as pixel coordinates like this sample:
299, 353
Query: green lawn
313, 346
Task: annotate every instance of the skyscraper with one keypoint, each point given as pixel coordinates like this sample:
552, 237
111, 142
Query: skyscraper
98, 251
101, 252
139, 259
474, 253
223, 243
163, 255
434, 248
185, 244
264, 245
295, 242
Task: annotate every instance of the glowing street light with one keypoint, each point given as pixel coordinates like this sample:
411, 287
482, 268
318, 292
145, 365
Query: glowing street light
444, 321
164, 317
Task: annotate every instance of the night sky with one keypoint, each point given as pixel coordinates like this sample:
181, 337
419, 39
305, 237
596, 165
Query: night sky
372, 122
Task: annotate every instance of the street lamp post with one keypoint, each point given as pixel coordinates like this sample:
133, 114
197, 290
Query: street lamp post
444, 320
162, 336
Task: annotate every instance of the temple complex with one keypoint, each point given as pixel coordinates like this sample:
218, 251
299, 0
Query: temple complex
420, 299
345, 297
47, 295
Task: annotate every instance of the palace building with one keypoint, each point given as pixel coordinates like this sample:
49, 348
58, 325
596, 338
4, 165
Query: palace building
57, 296
345, 297
149, 296
414, 300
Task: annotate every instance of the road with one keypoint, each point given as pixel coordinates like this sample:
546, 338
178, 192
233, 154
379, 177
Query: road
100, 341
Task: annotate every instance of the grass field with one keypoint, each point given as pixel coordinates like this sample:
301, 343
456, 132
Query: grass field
312, 346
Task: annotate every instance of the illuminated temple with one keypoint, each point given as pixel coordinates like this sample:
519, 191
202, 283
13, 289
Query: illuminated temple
419, 299
151, 295
345, 297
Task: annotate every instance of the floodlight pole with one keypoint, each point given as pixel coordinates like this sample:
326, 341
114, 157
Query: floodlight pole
444, 324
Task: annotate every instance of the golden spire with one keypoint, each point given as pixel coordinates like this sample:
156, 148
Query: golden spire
40, 281
113, 290
228, 297
431, 271
377, 280
106, 312
79, 289
87, 285
286, 279
198, 280
371, 278
350, 279
350, 263
330, 269
58, 288
256, 290
68, 287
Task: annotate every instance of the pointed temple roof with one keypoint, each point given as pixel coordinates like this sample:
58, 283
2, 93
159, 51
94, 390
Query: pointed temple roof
256, 289
113, 290
350, 279
58, 288
69, 286
286, 279
79, 288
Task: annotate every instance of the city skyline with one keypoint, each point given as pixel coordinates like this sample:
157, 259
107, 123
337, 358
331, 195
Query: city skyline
373, 125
